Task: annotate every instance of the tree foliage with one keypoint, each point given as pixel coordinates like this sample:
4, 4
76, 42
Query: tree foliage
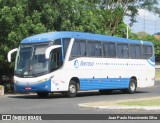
22, 18
113, 11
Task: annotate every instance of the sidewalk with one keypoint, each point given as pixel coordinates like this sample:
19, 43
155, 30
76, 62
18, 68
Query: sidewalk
114, 105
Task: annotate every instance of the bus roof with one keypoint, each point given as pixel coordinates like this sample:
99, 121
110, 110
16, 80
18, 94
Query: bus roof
51, 36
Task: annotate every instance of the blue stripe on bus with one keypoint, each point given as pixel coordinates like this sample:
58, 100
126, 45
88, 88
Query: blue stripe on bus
151, 63
152, 59
37, 87
104, 83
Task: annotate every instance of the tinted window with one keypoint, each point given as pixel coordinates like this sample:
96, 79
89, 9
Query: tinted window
135, 51
75, 49
82, 46
147, 51
91, 49
98, 49
109, 50
78, 48
122, 51
56, 59
94, 48
57, 42
65, 45
106, 49
119, 50
112, 50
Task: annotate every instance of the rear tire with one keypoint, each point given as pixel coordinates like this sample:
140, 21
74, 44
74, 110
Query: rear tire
72, 89
132, 87
42, 94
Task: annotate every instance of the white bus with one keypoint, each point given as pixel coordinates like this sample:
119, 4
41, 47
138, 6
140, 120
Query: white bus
69, 62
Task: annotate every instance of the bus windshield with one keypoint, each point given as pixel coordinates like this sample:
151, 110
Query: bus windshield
31, 60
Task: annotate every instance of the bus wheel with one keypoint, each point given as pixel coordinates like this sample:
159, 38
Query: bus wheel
132, 87
72, 90
42, 94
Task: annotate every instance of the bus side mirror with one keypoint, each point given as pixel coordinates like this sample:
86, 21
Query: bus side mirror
10, 53
49, 49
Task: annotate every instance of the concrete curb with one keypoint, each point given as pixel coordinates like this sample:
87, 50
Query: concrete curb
155, 108
18, 94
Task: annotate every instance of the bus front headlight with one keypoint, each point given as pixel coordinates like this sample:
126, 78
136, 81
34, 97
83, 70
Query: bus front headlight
44, 80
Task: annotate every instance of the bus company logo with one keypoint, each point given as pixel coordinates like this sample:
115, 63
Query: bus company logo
76, 64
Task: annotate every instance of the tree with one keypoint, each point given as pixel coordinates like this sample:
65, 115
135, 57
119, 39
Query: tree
16, 22
114, 11
23, 18
142, 34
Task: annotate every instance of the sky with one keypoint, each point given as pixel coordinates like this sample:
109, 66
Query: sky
146, 22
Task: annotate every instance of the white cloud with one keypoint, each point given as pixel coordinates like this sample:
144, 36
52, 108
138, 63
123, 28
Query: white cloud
146, 22
148, 15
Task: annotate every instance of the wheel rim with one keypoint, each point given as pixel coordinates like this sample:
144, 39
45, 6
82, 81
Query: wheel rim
72, 89
132, 86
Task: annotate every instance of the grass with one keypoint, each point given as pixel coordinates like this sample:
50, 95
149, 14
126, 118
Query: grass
142, 102
150, 101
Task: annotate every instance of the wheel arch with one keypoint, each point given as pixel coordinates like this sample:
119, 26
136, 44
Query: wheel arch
135, 79
77, 81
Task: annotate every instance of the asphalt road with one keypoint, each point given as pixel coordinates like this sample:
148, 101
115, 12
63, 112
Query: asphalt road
59, 104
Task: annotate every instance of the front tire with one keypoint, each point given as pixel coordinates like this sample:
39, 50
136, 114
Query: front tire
72, 89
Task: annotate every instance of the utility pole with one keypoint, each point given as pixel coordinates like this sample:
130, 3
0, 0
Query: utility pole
144, 23
127, 31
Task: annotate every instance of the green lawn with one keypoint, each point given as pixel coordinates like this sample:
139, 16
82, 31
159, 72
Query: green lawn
145, 102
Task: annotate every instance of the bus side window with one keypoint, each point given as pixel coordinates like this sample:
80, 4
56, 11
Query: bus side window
106, 49
112, 50
98, 51
122, 51
138, 52
109, 50
75, 49
56, 59
57, 42
125, 51
135, 51
78, 48
82, 46
66, 42
119, 50
91, 48
147, 51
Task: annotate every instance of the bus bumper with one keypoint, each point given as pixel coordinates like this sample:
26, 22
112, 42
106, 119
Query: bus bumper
33, 87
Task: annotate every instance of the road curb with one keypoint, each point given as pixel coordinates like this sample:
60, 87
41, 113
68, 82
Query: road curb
18, 94
155, 108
